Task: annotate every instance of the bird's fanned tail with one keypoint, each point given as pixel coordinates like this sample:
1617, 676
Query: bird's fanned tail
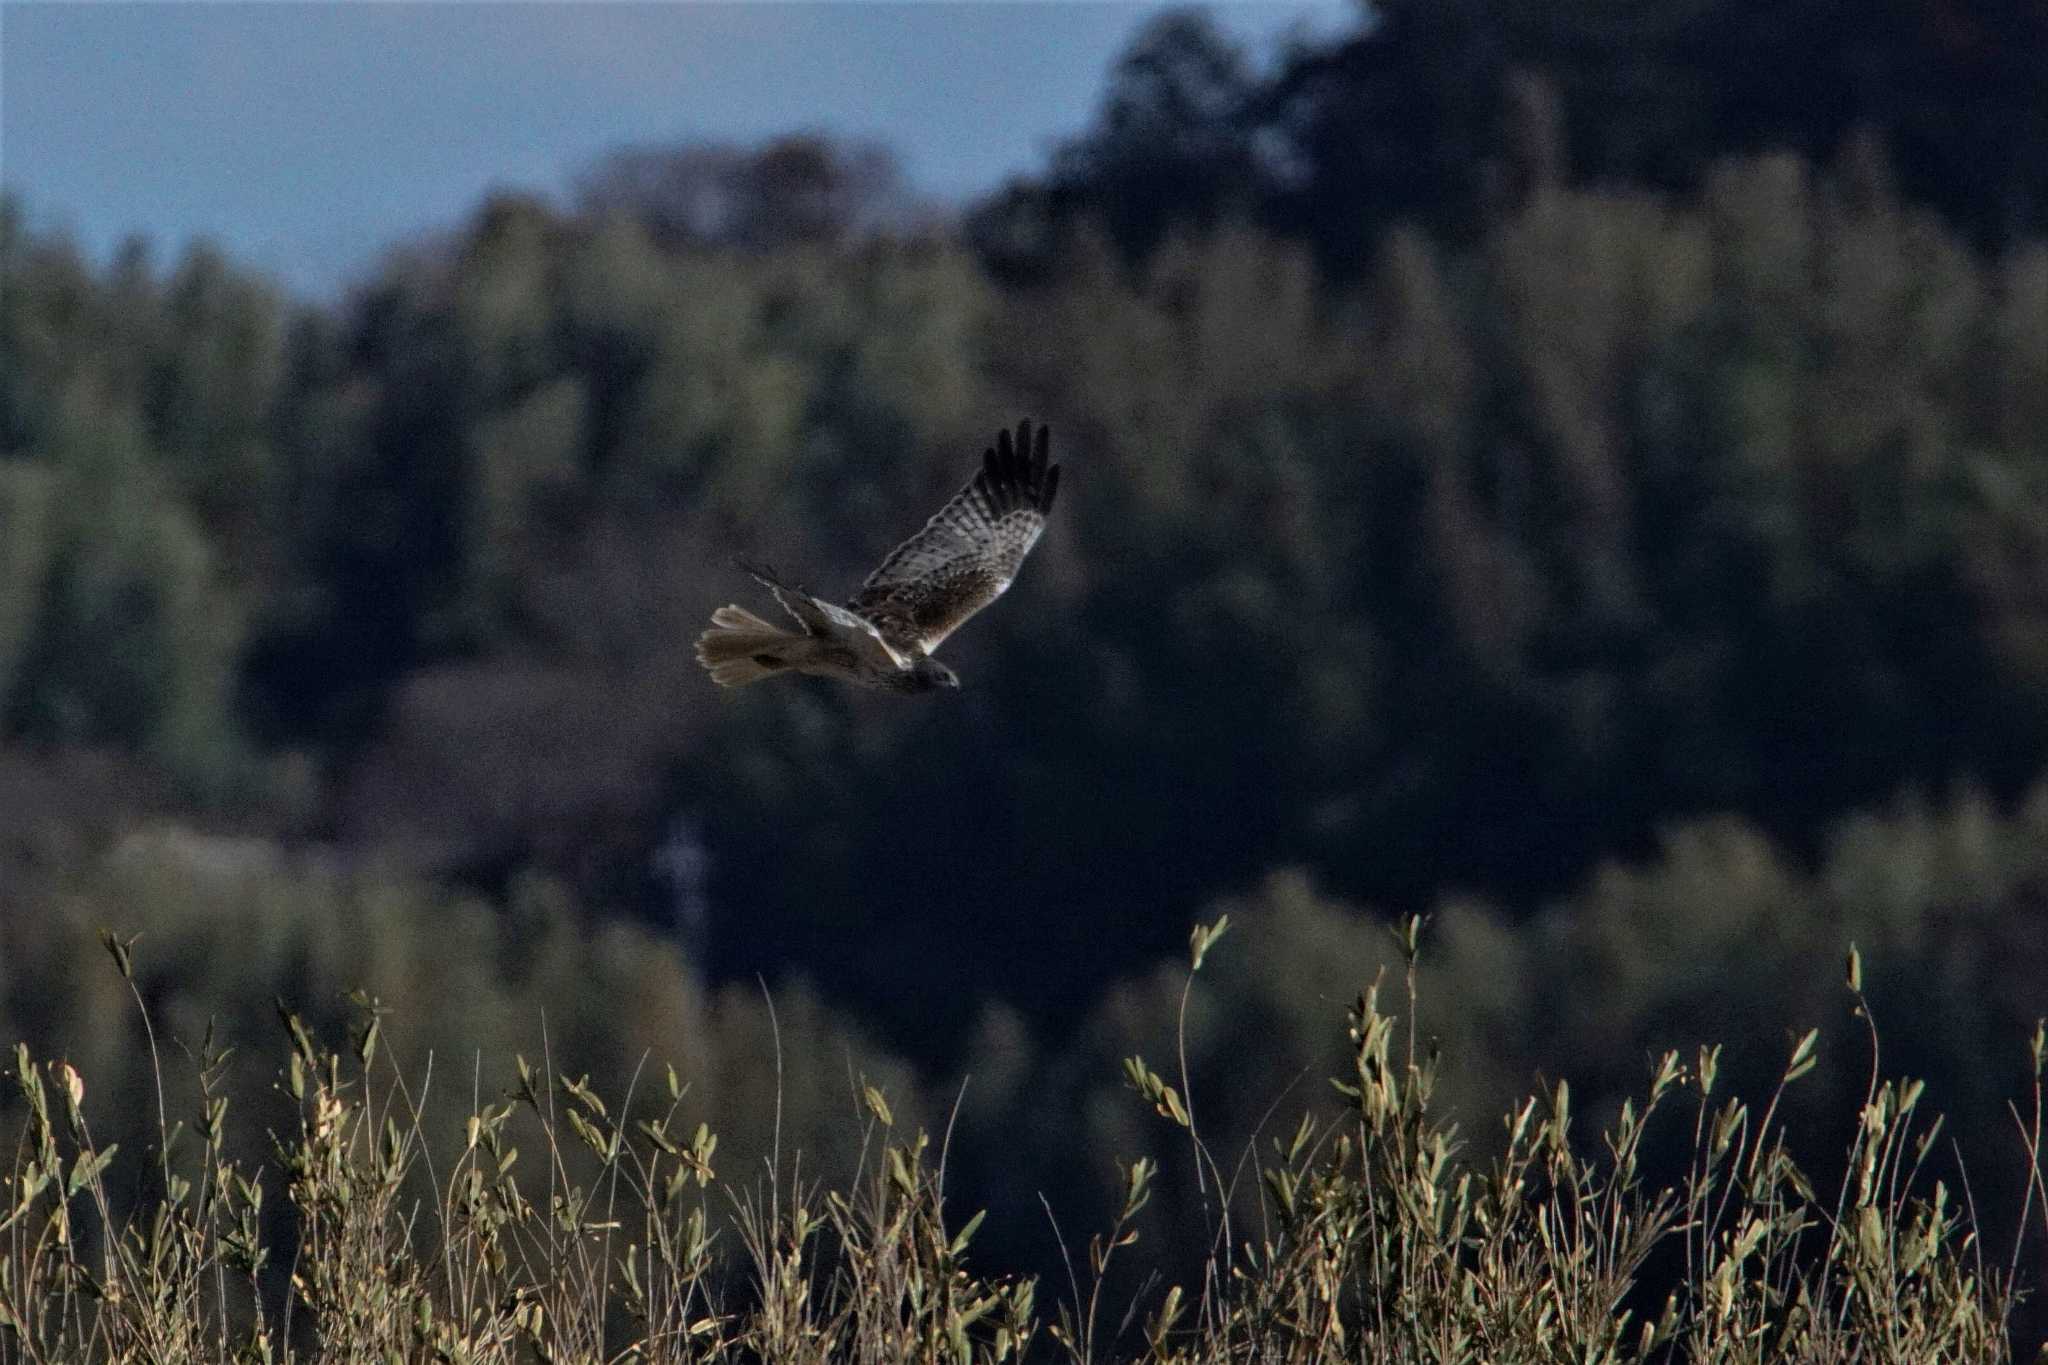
741, 648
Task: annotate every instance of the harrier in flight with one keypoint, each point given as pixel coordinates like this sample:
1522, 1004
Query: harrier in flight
925, 590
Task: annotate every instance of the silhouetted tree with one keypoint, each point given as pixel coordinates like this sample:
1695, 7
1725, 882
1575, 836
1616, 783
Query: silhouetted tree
802, 189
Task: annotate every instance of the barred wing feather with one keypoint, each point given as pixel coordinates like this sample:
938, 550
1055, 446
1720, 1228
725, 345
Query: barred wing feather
969, 552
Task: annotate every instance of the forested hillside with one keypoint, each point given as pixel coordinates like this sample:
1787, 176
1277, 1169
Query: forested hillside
1585, 478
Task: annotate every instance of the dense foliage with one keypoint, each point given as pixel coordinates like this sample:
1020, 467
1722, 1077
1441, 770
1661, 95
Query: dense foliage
1369, 1233
1510, 476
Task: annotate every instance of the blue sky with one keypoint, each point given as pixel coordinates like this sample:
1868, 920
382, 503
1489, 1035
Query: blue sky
306, 137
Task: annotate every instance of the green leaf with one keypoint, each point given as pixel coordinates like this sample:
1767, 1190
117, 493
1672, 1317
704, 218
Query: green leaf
121, 951
1203, 938
89, 1169
1802, 1056
967, 1233
878, 1105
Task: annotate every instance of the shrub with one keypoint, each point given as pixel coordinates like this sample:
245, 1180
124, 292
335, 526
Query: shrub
1369, 1236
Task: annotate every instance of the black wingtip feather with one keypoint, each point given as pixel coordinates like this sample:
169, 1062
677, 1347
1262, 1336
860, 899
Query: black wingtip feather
1014, 471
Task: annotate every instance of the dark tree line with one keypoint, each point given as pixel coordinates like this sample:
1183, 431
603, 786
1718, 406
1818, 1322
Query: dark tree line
1443, 113
1653, 485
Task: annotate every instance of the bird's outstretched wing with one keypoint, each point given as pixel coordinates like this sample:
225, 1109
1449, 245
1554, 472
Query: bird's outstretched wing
819, 617
969, 552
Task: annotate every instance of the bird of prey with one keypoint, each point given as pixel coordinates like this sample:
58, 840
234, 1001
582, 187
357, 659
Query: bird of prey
883, 638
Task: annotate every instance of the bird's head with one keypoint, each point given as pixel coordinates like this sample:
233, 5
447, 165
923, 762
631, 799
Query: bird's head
928, 675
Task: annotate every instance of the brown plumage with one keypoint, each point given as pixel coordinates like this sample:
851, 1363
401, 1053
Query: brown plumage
927, 587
